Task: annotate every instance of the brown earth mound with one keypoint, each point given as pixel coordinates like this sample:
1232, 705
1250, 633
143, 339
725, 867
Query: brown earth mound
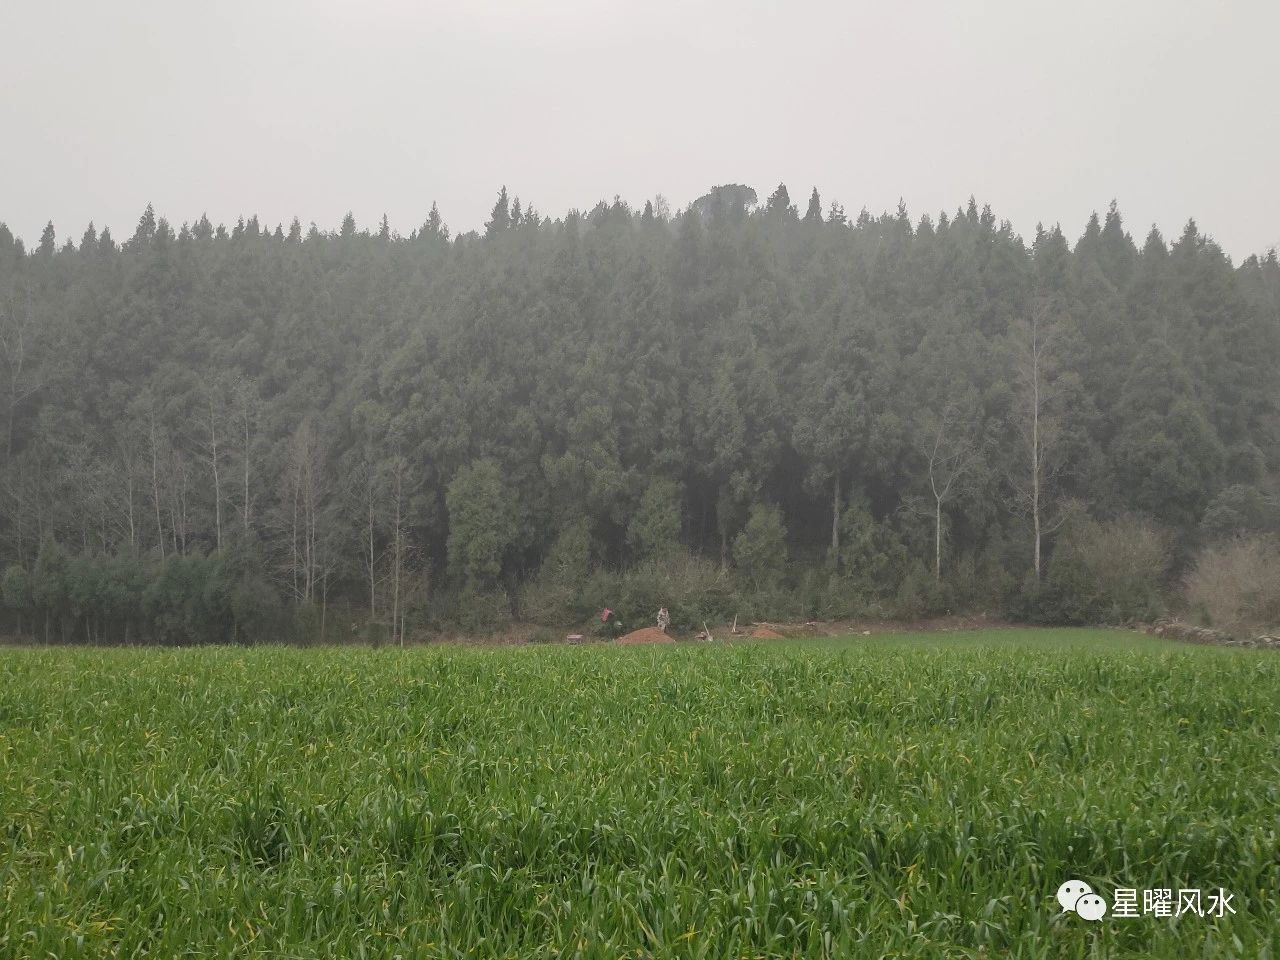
647, 635
764, 633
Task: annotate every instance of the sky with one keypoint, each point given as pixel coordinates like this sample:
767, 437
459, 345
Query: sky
311, 108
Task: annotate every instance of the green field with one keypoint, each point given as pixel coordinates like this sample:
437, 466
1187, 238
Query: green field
906, 797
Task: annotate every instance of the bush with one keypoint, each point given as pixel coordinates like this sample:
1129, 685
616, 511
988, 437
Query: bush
1236, 586
1108, 572
551, 598
921, 595
760, 550
474, 611
872, 561
691, 588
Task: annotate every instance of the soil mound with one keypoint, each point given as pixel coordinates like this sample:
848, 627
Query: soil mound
764, 633
647, 635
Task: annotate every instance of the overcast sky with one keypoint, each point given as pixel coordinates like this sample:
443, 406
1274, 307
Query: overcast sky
313, 107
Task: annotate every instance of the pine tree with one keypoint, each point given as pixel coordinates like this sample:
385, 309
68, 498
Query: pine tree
146, 230
47, 241
500, 218
434, 226
814, 213
779, 204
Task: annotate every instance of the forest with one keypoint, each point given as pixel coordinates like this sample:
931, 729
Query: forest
742, 408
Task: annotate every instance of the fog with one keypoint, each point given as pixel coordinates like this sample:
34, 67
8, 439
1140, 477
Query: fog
312, 109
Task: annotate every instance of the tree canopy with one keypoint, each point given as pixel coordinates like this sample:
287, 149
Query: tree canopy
289, 417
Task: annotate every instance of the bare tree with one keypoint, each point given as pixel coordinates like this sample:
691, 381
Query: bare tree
1039, 429
246, 413
399, 469
950, 452
212, 451
128, 460
304, 482
371, 503
179, 512
154, 438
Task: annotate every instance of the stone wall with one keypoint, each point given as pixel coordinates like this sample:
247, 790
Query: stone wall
1187, 633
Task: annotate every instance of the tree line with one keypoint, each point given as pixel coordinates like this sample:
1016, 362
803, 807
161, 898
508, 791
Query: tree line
218, 434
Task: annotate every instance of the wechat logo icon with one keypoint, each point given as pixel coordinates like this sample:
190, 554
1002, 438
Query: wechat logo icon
1078, 897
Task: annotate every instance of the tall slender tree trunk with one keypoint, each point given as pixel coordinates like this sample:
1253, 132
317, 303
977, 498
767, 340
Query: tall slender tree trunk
217, 485
313, 543
296, 595
395, 602
835, 518
186, 513
245, 414
155, 485
373, 582
1035, 454
133, 535
937, 540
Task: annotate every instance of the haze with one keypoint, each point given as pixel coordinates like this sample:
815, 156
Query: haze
315, 108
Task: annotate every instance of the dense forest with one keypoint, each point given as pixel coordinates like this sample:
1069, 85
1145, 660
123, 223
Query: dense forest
742, 408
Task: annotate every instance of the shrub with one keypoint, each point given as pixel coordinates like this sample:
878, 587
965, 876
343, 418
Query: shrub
872, 560
1109, 572
760, 550
474, 611
921, 595
1236, 586
691, 588
551, 598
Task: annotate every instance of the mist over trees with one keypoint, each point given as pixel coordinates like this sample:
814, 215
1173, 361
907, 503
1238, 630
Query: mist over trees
217, 434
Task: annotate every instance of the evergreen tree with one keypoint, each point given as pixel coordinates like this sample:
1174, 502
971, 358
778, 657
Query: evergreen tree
500, 217
146, 230
779, 204
47, 241
814, 213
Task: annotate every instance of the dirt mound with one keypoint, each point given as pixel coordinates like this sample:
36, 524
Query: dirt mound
647, 635
764, 633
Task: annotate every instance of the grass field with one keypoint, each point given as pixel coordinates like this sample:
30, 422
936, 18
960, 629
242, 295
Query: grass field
908, 797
